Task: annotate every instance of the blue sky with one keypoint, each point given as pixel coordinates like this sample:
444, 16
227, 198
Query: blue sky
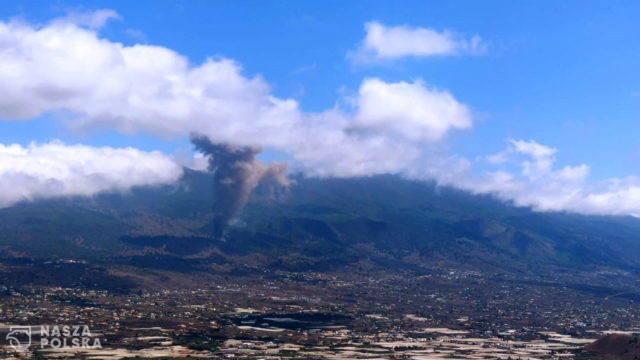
563, 74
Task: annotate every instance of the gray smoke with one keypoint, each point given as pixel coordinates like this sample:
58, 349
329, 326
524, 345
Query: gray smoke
236, 172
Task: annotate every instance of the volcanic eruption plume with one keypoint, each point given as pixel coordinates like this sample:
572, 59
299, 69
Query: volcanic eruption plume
236, 172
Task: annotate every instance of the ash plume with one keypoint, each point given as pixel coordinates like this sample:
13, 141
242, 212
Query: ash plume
236, 172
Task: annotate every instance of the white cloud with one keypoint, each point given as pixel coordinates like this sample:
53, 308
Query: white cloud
147, 89
532, 148
41, 171
410, 110
541, 157
393, 42
536, 183
93, 19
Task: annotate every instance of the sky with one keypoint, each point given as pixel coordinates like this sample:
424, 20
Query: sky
536, 102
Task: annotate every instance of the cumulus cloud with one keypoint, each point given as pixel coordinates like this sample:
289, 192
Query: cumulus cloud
393, 42
410, 110
41, 171
63, 66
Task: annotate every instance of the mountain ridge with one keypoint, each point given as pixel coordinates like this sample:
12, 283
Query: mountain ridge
319, 224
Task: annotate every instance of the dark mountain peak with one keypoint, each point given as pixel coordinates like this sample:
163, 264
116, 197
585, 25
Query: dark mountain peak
614, 347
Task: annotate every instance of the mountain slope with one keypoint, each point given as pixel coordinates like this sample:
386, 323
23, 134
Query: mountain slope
384, 222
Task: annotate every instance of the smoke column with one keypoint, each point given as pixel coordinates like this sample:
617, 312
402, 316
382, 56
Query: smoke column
236, 172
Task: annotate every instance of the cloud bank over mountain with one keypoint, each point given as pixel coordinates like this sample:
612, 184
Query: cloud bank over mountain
42, 171
525, 174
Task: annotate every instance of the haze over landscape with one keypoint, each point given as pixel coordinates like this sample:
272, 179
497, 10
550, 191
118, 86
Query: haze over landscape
320, 179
